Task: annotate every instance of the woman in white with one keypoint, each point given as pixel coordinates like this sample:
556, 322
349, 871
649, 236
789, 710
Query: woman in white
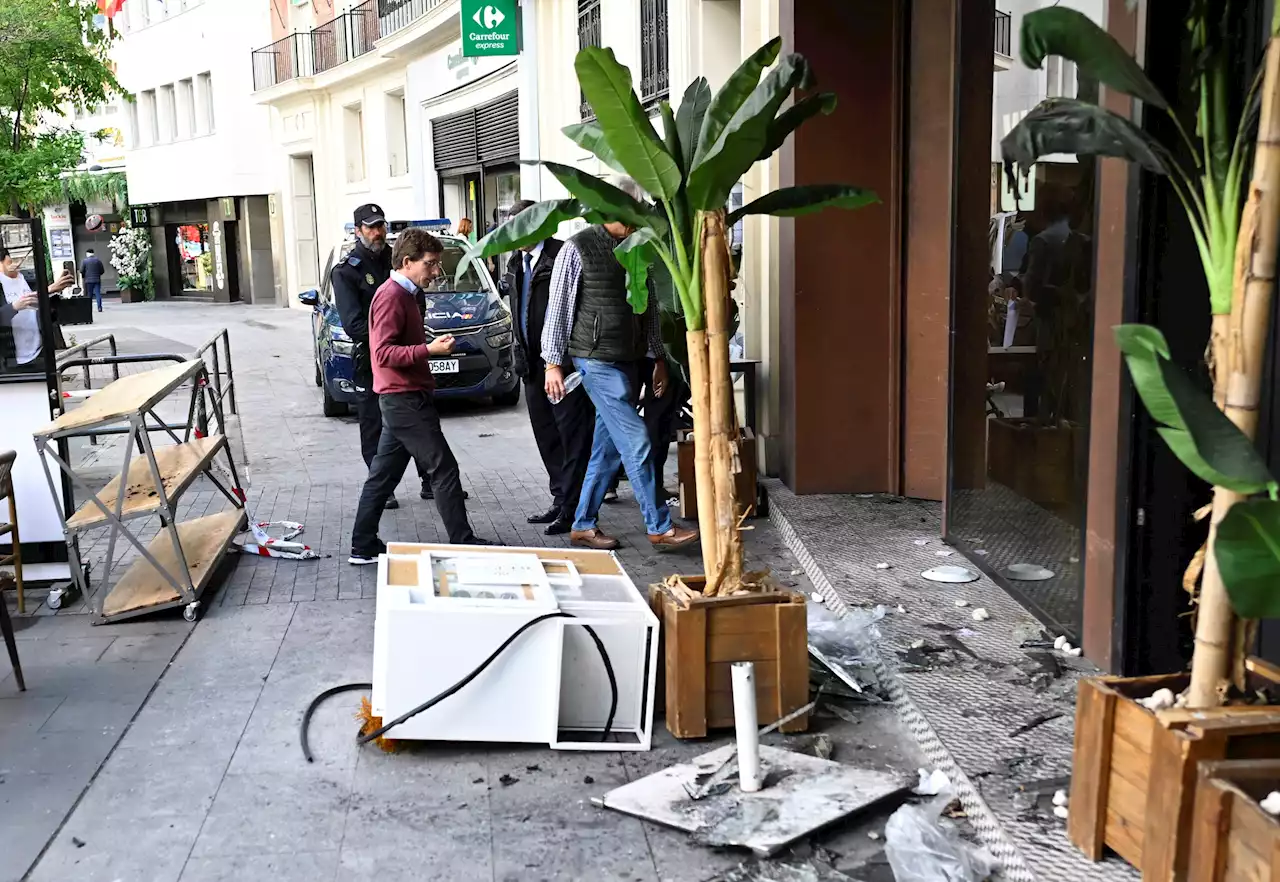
20, 308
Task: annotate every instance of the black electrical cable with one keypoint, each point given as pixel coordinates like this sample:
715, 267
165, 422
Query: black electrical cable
456, 687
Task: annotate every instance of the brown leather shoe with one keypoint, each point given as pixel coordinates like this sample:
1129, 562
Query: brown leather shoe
593, 539
676, 537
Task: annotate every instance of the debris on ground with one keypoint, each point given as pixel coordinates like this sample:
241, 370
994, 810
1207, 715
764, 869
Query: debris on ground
820, 745
507, 780
1061, 798
923, 847
884, 566
932, 783
1036, 722
1061, 812
259, 541
961, 604
944, 552
840, 639
814, 864
587, 779
922, 542
981, 615
817, 597
1163, 699
1271, 805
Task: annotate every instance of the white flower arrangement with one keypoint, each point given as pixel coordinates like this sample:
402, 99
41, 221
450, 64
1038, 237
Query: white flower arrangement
131, 257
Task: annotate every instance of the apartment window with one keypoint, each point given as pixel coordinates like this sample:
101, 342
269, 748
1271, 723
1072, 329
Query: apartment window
166, 112
588, 35
204, 104
353, 137
131, 124
149, 122
397, 136
1060, 77
186, 101
653, 51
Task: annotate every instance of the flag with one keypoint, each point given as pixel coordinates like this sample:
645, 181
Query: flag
109, 8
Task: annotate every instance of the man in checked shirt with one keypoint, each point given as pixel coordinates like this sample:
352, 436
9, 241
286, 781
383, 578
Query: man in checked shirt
590, 322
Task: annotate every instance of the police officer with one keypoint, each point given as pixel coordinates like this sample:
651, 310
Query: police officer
355, 280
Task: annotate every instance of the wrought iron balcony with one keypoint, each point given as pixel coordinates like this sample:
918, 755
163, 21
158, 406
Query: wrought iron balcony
1004, 33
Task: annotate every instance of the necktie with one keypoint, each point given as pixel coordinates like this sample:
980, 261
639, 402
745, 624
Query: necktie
525, 290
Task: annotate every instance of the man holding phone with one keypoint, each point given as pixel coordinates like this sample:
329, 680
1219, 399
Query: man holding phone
20, 313
402, 378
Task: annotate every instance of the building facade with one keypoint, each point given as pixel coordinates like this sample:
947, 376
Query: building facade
196, 142
376, 103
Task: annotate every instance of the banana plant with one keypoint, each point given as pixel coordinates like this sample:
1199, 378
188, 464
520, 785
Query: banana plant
1236, 239
707, 144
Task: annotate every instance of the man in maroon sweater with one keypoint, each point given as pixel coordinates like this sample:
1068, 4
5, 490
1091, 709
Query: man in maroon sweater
402, 378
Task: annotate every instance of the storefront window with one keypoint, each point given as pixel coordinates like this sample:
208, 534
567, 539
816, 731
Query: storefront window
1020, 397
195, 257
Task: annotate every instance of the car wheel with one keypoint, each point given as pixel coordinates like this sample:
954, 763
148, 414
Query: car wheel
319, 376
333, 407
508, 399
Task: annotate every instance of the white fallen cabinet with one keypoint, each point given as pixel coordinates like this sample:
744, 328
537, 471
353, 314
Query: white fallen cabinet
443, 610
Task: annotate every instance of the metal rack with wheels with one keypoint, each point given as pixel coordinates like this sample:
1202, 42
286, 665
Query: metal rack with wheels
175, 567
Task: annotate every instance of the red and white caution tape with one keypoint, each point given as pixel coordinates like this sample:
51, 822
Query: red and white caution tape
258, 541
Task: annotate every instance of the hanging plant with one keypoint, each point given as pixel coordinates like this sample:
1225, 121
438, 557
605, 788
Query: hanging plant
89, 187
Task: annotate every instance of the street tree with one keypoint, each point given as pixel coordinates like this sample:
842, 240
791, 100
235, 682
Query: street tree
708, 143
52, 55
1236, 224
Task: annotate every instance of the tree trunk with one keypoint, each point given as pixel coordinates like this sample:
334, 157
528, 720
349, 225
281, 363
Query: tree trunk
724, 426
696, 342
1238, 371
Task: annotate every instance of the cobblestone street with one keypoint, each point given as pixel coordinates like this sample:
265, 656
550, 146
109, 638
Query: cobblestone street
183, 762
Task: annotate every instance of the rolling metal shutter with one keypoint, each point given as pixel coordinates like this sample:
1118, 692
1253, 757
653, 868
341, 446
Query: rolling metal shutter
486, 134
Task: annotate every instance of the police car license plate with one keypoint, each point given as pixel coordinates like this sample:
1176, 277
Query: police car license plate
444, 365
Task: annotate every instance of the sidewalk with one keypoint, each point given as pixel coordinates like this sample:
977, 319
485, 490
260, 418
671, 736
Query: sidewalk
203, 778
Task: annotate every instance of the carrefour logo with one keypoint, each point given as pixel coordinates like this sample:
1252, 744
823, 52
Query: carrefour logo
488, 17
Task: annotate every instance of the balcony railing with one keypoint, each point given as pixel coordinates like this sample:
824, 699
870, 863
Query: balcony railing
1004, 33
324, 47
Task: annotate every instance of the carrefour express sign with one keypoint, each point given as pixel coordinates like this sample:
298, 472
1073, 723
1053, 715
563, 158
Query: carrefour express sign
489, 27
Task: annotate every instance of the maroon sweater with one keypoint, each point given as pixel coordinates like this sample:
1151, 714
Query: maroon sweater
398, 342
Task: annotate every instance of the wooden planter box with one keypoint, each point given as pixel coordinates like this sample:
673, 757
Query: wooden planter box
745, 481
131, 295
1134, 777
704, 636
1233, 839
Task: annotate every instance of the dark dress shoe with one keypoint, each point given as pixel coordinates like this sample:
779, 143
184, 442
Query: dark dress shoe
392, 504
559, 527
428, 493
549, 516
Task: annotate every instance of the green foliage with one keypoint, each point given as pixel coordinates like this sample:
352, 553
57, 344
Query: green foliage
1248, 554
708, 144
51, 56
89, 187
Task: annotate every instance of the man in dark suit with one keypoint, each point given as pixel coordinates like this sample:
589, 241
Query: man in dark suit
564, 431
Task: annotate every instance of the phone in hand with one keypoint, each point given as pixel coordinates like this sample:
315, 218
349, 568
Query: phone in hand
68, 266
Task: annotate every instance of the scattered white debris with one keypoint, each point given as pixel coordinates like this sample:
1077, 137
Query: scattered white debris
1161, 700
1271, 805
1181, 700
865, 495
962, 603
932, 783
1073, 559
1061, 798
1061, 811
1074, 652
966, 632
873, 836
901, 608
922, 542
981, 615
817, 598
1060, 642
884, 566
944, 552
917, 644
797, 572
982, 552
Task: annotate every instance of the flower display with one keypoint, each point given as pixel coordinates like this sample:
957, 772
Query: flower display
131, 257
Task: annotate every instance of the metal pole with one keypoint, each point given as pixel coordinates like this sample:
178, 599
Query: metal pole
231, 379
746, 724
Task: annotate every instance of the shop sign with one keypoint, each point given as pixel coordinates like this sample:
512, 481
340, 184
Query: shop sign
219, 258
227, 208
489, 27
141, 215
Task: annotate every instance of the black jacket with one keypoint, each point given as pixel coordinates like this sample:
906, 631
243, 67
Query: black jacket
355, 280
531, 364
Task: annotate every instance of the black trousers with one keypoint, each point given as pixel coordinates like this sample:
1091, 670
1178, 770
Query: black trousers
411, 430
370, 417
659, 416
564, 433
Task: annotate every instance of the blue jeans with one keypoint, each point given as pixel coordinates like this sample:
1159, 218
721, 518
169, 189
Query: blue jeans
94, 290
621, 439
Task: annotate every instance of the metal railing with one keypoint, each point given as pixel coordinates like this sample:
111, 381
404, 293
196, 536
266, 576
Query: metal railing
342, 38
1004, 33
215, 362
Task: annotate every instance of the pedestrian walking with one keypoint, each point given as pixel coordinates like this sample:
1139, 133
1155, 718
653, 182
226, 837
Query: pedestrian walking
563, 430
400, 356
355, 280
590, 321
91, 270
659, 415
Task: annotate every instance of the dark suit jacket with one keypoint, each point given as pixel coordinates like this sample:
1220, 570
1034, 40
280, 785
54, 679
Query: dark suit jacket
531, 365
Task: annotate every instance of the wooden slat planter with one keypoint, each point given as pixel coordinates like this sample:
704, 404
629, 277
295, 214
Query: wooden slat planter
705, 635
1233, 839
1134, 778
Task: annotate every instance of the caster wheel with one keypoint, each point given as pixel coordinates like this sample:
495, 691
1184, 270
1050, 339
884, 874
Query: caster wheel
54, 600
191, 611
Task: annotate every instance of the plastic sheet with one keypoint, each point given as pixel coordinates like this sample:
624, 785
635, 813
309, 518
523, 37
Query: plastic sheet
922, 847
838, 638
259, 541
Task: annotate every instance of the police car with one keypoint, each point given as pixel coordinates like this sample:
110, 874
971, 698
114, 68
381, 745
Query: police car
469, 308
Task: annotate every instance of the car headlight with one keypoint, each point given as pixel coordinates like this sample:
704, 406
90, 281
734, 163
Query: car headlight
343, 347
497, 341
